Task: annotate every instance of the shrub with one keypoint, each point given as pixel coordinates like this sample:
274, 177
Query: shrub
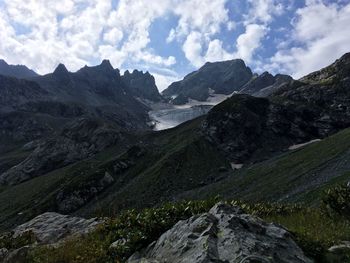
337, 201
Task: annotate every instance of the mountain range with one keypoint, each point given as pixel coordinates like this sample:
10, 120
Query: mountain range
82, 142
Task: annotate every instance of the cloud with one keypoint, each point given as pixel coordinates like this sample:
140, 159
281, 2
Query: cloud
203, 16
113, 36
321, 34
192, 48
249, 41
263, 11
77, 32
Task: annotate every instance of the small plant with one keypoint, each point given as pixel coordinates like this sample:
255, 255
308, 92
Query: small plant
9, 242
336, 201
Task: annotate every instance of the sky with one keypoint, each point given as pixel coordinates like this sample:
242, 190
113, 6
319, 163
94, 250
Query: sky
171, 38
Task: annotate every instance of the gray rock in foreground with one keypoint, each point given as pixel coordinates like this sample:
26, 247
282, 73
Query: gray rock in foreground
226, 234
47, 229
50, 227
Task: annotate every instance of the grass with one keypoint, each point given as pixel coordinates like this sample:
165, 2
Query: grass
313, 230
299, 175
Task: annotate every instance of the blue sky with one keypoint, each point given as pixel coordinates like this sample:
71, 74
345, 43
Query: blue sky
171, 38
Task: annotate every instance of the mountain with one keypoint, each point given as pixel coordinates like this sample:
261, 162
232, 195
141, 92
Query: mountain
36, 112
142, 85
18, 71
14, 92
99, 90
218, 77
265, 84
286, 147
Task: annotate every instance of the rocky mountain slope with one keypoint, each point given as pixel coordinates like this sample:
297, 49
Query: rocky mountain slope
142, 85
18, 71
91, 161
221, 77
265, 84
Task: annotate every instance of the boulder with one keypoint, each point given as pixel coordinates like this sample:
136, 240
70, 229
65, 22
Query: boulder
225, 234
50, 227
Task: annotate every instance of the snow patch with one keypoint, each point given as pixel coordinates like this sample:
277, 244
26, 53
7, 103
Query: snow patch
236, 166
297, 146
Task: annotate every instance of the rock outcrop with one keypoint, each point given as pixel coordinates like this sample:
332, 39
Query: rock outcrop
221, 77
225, 234
265, 84
15, 91
142, 85
18, 71
50, 227
46, 229
78, 140
247, 128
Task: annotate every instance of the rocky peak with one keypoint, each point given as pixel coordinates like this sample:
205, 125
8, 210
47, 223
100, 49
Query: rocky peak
222, 77
3, 63
61, 71
18, 71
105, 68
106, 64
141, 85
266, 82
340, 69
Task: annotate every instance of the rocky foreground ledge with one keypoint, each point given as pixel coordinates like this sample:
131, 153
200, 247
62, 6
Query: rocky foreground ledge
223, 235
226, 234
46, 229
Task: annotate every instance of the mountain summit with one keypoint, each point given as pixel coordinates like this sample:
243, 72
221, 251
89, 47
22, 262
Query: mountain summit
18, 71
219, 77
142, 85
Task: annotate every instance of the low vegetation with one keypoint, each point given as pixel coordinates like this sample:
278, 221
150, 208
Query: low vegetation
315, 229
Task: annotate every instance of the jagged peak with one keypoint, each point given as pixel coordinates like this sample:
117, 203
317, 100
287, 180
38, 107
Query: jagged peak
106, 64
60, 69
3, 62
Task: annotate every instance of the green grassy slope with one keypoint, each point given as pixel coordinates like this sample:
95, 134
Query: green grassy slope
180, 164
176, 161
298, 175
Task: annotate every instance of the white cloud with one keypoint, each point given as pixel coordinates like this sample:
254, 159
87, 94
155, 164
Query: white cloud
216, 52
204, 16
113, 36
163, 81
263, 11
77, 32
323, 34
192, 48
248, 42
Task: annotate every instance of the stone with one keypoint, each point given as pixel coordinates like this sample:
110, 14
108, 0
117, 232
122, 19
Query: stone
3, 253
17, 256
52, 227
224, 234
344, 245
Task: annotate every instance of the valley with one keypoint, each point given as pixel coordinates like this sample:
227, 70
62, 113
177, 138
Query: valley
91, 144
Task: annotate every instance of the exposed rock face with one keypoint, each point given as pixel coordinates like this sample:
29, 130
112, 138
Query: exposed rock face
17, 91
78, 140
248, 128
50, 227
68, 201
225, 234
99, 90
142, 85
265, 84
222, 77
18, 71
